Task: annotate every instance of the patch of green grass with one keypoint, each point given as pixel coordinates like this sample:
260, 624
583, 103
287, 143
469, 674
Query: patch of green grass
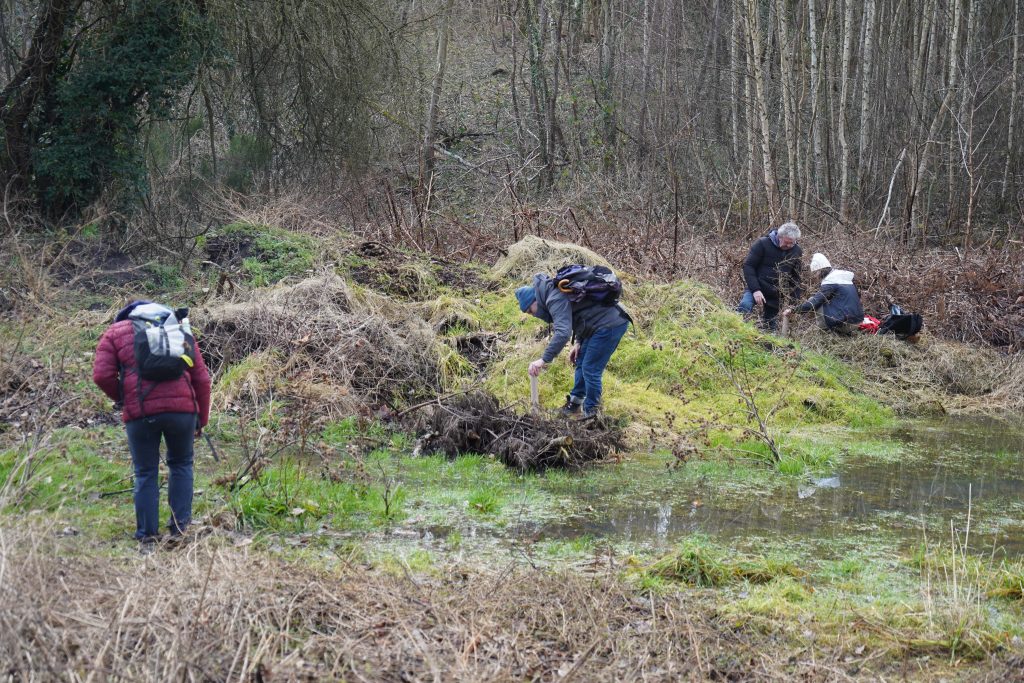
1008, 581
164, 278
276, 253
568, 548
82, 477
418, 561
290, 496
485, 501
698, 561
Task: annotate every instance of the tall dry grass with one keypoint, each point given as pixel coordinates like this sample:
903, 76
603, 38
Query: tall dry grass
211, 611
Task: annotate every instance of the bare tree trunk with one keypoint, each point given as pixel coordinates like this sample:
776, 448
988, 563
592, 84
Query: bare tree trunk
427, 157
952, 81
1013, 99
844, 148
815, 97
922, 164
748, 92
735, 93
788, 103
645, 88
755, 45
865, 93
551, 109
536, 40
607, 64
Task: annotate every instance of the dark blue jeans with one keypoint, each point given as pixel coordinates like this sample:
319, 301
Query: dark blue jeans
595, 351
144, 434
769, 314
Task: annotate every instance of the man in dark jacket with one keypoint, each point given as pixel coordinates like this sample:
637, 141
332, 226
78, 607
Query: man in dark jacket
597, 328
175, 410
836, 304
772, 273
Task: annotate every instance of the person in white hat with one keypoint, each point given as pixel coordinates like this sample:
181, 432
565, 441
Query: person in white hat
836, 304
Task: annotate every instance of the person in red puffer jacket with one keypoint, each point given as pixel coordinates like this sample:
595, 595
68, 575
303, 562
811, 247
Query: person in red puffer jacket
175, 410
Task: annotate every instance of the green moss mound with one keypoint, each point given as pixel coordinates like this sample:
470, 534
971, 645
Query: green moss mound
683, 363
263, 254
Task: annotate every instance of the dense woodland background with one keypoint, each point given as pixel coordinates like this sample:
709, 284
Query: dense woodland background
654, 130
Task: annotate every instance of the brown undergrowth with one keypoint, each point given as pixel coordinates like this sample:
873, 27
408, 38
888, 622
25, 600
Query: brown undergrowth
975, 296
933, 376
211, 611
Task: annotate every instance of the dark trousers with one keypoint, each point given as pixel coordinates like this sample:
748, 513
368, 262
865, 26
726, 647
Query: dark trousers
144, 434
595, 352
769, 312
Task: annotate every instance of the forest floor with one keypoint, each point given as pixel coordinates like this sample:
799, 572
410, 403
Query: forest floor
331, 543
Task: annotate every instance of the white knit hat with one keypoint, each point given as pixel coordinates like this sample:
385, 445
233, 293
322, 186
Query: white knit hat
818, 261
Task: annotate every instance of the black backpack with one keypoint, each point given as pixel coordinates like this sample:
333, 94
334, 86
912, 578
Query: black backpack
592, 283
163, 345
903, 325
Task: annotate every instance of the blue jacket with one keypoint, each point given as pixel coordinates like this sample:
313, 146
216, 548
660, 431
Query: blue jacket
582, 319
838, 298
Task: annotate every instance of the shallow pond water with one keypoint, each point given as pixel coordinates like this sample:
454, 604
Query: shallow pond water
929, 476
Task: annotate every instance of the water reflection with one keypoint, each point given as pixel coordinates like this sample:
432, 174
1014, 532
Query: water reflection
946, 468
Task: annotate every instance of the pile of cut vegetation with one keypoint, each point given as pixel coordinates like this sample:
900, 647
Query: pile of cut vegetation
476, 423
356, 351
536, 255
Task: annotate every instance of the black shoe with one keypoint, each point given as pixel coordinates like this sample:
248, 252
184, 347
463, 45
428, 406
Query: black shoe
589, 414
147, 546
570, 408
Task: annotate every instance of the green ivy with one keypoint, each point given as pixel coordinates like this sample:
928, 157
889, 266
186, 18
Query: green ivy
121, 79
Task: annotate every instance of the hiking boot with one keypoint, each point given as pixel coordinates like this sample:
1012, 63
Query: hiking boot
570, 408
147, 546
589, 414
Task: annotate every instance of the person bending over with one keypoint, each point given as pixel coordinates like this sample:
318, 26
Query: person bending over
597, 329
175, 410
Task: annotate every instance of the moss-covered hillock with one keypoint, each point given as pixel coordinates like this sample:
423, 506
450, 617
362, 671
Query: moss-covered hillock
677, 365
262, 254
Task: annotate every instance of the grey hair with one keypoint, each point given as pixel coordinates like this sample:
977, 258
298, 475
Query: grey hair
789, 229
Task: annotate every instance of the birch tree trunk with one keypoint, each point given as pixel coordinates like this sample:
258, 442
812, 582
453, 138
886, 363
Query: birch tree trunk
788, 103
1010, 132
865, 93
748, 88
952, 81
922, 164
736, 90
607, 63
844, 148
756, 47
645, 88
815, 95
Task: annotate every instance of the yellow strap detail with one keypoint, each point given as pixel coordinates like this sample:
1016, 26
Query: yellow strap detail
188, 361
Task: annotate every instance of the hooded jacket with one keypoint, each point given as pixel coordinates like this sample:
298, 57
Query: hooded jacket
582, 319
772, 270
114, 372
838, 298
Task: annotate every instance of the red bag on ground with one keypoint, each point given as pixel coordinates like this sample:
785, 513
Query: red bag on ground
870, 325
